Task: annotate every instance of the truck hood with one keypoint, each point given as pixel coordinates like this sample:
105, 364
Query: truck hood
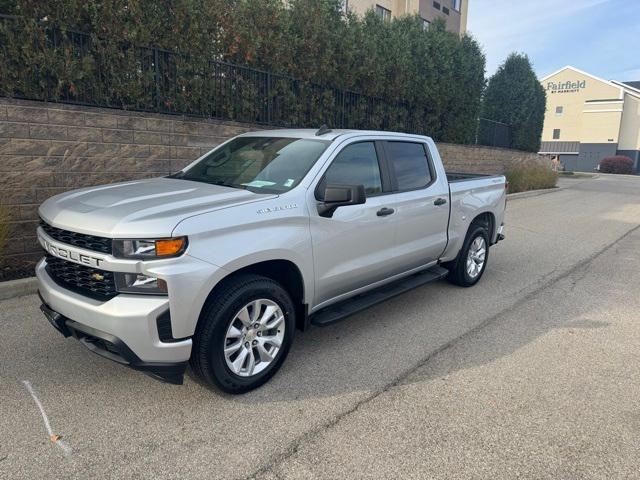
143, 208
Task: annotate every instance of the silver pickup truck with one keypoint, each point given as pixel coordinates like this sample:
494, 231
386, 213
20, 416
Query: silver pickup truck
218, 264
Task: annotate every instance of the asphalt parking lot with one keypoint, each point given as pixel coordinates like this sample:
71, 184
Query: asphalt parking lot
533, 373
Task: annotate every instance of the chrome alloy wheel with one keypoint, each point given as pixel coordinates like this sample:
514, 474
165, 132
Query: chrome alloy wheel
254, 337
475, 257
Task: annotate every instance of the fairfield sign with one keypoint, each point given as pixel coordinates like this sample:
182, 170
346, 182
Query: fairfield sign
566, 87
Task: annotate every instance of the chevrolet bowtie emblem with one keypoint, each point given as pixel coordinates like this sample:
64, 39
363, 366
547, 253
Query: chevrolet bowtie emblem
98, 277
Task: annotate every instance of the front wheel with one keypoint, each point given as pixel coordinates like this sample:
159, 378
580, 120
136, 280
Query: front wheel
244, 334
471, 262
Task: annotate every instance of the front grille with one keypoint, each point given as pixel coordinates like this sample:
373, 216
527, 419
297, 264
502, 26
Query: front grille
88, 281
89, 242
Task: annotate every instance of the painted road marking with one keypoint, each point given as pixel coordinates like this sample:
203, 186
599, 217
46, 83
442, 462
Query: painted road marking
53, 437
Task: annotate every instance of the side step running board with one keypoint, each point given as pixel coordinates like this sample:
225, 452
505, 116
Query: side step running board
344, 309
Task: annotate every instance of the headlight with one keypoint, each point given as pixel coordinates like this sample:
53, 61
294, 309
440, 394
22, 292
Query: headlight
139, 283
150, 249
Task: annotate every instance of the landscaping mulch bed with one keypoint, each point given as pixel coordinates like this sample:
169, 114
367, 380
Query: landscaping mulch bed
15, 272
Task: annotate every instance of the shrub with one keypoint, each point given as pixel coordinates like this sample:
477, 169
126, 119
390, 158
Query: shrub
530, 177
617, 164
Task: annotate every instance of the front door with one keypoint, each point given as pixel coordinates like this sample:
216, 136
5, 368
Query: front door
354, 247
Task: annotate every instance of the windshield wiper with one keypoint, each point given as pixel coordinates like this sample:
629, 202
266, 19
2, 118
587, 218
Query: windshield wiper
222, 183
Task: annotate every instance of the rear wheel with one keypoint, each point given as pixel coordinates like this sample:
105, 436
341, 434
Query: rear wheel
467, 269
244, 334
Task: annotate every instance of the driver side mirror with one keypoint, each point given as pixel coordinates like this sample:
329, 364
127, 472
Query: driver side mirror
335, 196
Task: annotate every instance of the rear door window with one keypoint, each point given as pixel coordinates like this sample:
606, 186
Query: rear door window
409, 165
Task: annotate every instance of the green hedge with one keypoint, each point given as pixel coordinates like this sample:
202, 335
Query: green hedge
169, 56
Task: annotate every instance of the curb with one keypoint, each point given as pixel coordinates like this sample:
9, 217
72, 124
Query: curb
532, 193
18, 288
630, 175
583, 175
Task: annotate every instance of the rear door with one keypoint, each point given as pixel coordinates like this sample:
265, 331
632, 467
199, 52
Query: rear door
421, 202
355, 246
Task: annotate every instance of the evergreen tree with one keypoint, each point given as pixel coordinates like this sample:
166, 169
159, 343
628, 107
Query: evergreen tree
515, 96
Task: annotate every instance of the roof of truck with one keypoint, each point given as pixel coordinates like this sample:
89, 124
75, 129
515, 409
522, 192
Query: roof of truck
311, 133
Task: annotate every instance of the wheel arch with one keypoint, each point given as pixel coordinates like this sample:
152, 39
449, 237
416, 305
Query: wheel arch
486, 219
283, 271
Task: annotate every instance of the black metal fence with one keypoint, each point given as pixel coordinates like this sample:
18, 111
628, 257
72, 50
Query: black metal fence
78, 68
493, 134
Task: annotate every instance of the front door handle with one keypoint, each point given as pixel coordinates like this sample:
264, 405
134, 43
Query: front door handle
440, 201
383, 212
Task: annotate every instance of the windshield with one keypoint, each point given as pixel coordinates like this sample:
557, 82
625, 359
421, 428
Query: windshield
260, 164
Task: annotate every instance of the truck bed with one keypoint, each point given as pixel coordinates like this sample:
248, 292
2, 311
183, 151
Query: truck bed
472, 194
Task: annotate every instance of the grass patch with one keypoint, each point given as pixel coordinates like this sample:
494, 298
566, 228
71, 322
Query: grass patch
523, 178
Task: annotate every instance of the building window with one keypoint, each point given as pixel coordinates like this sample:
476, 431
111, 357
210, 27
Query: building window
436, 5
556, 134
559, 111
455, 4
445, 10
425, 24
383, 13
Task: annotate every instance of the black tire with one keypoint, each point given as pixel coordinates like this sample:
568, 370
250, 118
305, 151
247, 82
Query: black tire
457, 269
207, 355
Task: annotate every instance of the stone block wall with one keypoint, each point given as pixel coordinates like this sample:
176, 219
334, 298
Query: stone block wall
480, 159
48, 148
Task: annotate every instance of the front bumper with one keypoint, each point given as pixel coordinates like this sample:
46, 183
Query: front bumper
113, 348
123, 329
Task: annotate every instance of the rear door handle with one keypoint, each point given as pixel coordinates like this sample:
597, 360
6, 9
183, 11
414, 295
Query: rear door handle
439, 201
383, 212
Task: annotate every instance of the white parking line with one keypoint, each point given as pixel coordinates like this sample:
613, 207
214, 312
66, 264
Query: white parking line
54, 438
